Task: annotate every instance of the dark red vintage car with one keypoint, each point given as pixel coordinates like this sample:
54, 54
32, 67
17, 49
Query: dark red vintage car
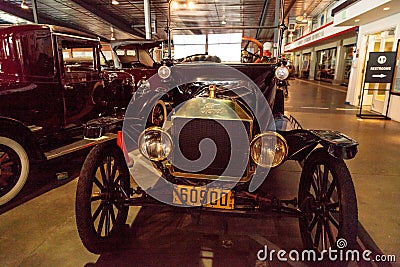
135, 57
53, 90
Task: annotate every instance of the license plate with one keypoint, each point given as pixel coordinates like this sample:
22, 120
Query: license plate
202, 196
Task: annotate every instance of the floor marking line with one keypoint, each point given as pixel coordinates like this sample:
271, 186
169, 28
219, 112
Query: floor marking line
315, 108
322, 85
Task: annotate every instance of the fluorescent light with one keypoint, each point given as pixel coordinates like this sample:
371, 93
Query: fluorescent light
174, 5
114, 2
386, 8
191, 5
356, 20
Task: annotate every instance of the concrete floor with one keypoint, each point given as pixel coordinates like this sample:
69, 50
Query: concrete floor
38, 228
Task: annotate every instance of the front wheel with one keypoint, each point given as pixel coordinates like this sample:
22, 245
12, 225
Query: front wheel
14, 168
158, 115
103, 186
328, 201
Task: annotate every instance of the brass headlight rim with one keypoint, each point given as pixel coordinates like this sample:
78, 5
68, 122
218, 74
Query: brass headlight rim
260, 135
154, 128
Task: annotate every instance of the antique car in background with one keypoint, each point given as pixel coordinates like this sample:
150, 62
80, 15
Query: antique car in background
53, 93
135, 57
226, 131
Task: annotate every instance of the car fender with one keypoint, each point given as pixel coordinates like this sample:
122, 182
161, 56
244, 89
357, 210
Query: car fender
17, 130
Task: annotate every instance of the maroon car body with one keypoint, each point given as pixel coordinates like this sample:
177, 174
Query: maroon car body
51, 85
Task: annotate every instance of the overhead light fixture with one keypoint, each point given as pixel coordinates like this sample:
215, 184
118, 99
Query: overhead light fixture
112, 33
304, 18
177, 4
24, 5
174, 5
223, 22
114, 2
191, 5
356, 20
386, 8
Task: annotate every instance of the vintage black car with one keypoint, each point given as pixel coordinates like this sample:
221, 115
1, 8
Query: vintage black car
226, 130
52, 86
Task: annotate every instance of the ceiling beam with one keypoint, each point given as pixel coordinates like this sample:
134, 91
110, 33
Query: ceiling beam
17, 11
262, 18
104, 15
291, 4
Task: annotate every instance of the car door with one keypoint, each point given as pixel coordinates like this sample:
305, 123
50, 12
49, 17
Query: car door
80, 78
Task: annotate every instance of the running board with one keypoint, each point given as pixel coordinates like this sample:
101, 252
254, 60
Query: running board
78, 145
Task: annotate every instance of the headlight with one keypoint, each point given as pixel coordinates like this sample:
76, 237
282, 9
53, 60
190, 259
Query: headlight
164, 72
155, 144
282, 73
268, 149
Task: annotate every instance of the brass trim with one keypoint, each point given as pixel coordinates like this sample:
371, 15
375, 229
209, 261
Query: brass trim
192, 109
264, 134
245, 178
154, 128
211, 90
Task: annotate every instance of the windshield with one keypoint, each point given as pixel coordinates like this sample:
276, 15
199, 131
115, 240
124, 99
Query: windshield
109, 59
135, 57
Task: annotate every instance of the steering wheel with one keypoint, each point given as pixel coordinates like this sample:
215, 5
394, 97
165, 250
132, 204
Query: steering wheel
255, 57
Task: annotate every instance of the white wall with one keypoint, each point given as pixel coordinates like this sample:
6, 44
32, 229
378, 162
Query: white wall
356, 76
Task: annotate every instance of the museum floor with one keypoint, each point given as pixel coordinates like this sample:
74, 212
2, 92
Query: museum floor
38, 228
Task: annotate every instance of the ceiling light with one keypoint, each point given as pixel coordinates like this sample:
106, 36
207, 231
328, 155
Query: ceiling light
191, 5
24, 5
174, 5
356, 20
223, 22
386, 8
304, 18
114, 2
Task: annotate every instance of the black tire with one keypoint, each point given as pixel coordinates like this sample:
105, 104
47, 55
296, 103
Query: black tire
331, 213
14, 168
103, 186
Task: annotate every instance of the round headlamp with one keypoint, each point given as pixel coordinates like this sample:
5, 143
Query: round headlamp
268, 149
155, 144
282, 73
164, 72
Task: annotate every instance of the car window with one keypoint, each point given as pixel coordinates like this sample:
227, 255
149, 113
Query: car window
9, 63
37, 53
78, 57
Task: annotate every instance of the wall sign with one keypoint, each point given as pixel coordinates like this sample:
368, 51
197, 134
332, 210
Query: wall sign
325, 32
380, 67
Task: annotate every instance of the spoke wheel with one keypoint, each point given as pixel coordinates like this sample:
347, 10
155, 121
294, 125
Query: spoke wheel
14, 168
102, 188
328, 200
158, 115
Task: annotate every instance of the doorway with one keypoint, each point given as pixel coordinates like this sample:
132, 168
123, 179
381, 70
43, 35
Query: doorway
378, 92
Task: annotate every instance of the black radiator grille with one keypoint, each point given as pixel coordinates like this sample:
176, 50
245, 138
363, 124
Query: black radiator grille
188, 133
